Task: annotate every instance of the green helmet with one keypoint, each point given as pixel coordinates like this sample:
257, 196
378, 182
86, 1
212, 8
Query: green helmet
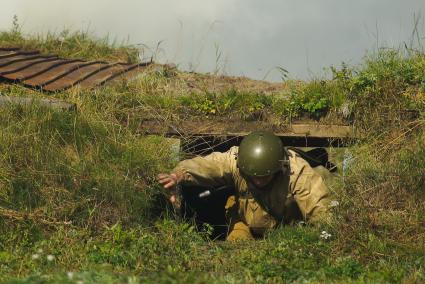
260, 153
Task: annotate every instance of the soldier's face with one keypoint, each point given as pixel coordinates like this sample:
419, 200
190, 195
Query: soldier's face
261, 182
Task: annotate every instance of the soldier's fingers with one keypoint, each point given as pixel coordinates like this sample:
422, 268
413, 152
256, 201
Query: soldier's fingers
167, 177
164, 182
168, 181
169, 184
164, 179
162, 175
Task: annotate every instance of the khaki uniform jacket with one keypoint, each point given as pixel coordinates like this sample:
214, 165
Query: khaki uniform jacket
264, 208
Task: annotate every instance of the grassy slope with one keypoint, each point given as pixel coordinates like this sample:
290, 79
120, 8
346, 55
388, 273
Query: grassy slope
91, 169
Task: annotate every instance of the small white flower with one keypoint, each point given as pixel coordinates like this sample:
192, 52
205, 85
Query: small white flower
325, 235
40, 250
333, 203
35, 256
50, 257
70, 275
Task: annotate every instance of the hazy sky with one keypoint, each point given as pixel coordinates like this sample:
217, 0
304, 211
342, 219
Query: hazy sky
252, 36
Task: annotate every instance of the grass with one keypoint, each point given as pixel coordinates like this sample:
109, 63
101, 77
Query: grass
80, 185
70, 164
171, 251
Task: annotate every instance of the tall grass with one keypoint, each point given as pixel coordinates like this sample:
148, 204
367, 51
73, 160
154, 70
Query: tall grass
76, 166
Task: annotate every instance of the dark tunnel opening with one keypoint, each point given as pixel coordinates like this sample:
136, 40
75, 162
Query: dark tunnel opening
211, 209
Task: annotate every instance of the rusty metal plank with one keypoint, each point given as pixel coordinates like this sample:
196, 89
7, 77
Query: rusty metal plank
106, 75
101, 76
51, 73
21, 65
4, 61
6, 53
131, 73
38, 69
76, 76
56, 73
15, 59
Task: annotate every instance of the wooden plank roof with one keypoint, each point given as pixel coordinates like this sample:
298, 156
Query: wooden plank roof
295, 134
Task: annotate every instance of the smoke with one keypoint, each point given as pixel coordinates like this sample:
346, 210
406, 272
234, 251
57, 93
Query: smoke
238, 37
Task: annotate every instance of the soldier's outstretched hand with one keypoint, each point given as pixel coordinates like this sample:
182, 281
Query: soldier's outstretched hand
170, 182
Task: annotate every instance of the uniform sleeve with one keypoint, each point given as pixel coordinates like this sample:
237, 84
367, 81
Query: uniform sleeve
215, 169
309, 191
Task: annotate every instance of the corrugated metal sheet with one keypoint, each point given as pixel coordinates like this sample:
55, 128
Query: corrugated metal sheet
51, 73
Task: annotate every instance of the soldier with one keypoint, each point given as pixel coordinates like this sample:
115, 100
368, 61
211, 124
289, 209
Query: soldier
268, 180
